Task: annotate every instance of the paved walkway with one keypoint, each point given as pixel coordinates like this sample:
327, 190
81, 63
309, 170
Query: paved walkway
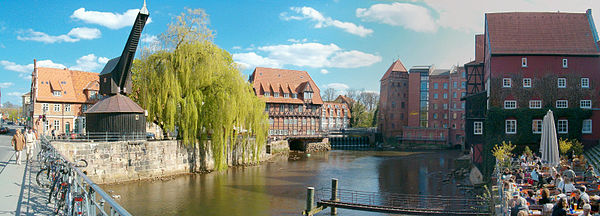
19, 192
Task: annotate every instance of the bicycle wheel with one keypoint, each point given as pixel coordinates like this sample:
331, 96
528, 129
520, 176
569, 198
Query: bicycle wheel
43, 178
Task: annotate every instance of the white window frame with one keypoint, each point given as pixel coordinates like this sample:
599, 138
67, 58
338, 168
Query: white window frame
506, 126
562, 122
523, 62
583, 129
56, 107
539, 123
267, 94
56, 93
45, 107
526, 82
585, 104
506, 83
276, 94
56, 125
510, 104
585, 81
565, 63
535, 104
67, 107
564, 82
559, 102
478, 128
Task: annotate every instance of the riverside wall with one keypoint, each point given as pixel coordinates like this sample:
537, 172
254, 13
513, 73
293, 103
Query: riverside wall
113, 162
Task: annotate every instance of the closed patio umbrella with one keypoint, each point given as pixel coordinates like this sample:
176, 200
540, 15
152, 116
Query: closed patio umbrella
549, 143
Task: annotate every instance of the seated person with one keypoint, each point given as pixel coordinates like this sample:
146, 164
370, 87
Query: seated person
517, 203
589, 174
566, 187
560, 207
530, 199
576, 199
587, 210
545, 197
584, 196
569, 174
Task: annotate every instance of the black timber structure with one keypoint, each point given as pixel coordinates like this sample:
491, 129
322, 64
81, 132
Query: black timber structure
116, 116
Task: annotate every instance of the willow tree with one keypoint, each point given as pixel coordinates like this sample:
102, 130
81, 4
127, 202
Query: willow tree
192, 85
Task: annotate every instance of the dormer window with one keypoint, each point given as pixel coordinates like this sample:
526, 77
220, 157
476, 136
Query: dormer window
267, 94
294, 95
57, 93
308, 95
276, 94
93, 94
286, 95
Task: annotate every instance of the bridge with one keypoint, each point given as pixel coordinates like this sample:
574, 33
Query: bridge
407, 204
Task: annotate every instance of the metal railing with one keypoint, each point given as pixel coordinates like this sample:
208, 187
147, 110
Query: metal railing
103, 136
95, 200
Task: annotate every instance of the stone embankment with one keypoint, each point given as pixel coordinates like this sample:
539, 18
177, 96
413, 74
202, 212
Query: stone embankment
113, 162
318, 146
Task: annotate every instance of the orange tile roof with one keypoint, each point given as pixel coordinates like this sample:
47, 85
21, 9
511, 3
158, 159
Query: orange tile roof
328, 106
344, 99
278, 80
72, 84
397, 66
555, 33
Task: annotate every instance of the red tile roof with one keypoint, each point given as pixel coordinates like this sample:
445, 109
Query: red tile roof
71, 84
283, 80
344, 99
540, 33
397, 66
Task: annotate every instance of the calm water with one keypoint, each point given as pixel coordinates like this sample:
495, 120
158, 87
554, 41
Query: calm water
279, 187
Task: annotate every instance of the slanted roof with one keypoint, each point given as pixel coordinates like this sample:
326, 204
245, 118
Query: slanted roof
438, 72
55, 86
293, 80
70, 82
116, 103
554, 33
397, 66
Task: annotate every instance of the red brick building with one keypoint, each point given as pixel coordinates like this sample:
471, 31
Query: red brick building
293, 101
335, 116
422, 104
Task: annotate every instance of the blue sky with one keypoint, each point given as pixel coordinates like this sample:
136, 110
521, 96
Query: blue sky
341, 43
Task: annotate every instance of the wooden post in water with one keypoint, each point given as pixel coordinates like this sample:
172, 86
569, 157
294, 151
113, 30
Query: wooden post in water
310, 198
334, 192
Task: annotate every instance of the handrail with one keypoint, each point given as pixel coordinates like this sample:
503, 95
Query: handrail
91, 190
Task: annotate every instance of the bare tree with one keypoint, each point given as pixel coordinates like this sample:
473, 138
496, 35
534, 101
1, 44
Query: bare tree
369, 99
328, 94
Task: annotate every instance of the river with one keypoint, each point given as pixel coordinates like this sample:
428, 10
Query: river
279, 187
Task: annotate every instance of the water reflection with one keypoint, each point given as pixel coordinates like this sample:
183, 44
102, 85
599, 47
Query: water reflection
279, 188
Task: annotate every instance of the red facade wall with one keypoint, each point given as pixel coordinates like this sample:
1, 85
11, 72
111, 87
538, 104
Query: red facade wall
414, 80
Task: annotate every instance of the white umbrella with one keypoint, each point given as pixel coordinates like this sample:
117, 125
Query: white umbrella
549, 143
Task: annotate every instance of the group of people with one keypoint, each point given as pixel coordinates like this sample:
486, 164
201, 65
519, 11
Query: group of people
553, 191
24, 141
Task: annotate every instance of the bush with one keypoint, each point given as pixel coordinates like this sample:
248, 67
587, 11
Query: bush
503, 153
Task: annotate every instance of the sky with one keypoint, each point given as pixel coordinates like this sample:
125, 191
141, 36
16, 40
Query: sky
342, 44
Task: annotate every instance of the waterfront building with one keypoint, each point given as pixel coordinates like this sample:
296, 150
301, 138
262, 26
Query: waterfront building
293, 102
527, 63
335, 116
422, 104
62, 96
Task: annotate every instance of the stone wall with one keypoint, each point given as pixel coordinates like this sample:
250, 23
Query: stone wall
318, 146
112, 162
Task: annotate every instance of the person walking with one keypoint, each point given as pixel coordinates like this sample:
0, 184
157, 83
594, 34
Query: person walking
18, 143
30, 144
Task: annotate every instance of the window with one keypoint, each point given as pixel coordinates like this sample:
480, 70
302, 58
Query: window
585, 104
435, 106
585, 82
463, 94
67, 127
267, 94
562, 82
463, 85
454, 106
455, 85
303, 121
454, 117
563, 126
535, 104
286, 95
56, 125
445, 85
57, 93
462, 105
276, 94
562, 104
565, 65
271, 121
435, 85
56, 107
536, 126
510, 104
67, 107
46, 126
445, 106
294, 95
84, 108
454, 95
435, 116
587, 126
478, 128
300, 108
45, 107
93, 94
523, 62
281, 108
307, 95
445, 116
445, 95
435, 96
510, 126
506, 83
526, 82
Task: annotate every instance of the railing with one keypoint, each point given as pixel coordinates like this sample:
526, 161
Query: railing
104, 136
95, 200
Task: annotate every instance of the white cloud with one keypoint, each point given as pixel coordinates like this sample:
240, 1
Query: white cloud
297, 41
337, 86
323, 71
76, 34
323, 21
236, 47
6, 84
313, 55
107, 19
89, 63
16, 94
407, 15
11, 66
150, 42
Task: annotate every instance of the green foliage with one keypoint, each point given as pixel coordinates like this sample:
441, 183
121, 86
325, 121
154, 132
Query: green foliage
577, 147
528, 151
564, 146
360, 116
194, 86
503, 153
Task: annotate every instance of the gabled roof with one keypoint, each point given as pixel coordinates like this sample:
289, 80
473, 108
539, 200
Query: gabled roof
292, 81
344, 99
553, 33
70, 82
116, 103
342, 107
397, 66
